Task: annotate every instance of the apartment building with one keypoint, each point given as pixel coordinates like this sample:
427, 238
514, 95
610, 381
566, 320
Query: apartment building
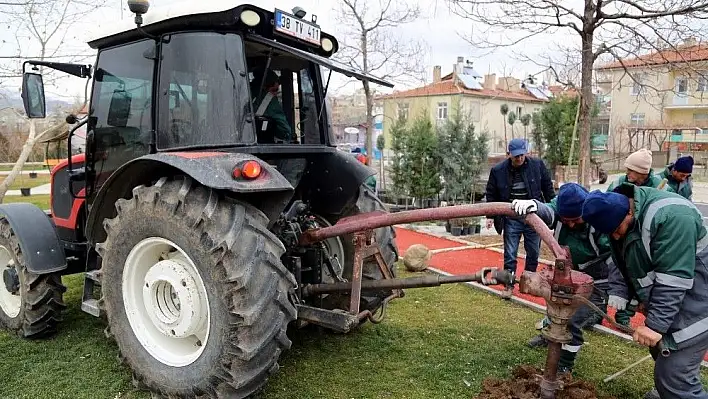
481, 97
658, 100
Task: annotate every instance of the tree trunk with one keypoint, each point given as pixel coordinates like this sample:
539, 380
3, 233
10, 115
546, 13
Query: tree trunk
369, 123
575, 133
17, 168
586, 101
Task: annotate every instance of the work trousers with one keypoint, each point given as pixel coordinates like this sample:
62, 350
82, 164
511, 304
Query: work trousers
513, 230
580, 320
678, 376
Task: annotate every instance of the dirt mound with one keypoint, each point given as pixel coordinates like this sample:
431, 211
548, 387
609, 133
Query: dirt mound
523, 385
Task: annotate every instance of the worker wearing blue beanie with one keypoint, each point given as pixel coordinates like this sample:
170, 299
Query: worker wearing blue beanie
678, 176
660, 253
605, 211
590, 252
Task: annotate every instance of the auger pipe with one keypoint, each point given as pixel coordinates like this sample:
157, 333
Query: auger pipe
501, 276
375, 220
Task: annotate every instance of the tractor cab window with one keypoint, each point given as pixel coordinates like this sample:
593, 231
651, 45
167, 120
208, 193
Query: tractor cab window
283, 95
204, 97
121, 106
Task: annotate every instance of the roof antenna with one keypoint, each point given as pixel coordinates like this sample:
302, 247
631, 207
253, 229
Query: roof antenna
140, 7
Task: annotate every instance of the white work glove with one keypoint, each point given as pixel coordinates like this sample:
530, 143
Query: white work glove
523, 207
617, 302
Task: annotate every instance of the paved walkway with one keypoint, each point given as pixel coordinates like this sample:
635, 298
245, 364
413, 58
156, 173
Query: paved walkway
44, 189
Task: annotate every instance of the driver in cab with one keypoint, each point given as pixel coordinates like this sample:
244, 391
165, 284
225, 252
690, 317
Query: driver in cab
267, 105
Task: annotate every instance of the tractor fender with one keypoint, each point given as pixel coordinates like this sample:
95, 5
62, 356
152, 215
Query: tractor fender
270, 191
334, 180
40, 246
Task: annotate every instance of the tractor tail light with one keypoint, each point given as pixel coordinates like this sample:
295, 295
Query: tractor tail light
249, 170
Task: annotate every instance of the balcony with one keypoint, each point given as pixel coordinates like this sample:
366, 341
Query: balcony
695, 100
604, 105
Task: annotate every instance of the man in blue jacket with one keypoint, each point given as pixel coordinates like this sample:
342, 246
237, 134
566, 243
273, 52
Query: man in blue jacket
519, 177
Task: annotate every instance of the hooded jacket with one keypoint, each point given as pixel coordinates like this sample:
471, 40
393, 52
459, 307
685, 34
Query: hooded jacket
652, 181
590, 251
658, 265
684, 188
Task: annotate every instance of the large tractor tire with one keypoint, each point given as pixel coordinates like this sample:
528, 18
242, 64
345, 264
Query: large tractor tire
367, 201
195, 293
30, 304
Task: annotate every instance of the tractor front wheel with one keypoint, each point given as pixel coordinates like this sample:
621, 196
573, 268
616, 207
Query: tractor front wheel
30, 304
195, 293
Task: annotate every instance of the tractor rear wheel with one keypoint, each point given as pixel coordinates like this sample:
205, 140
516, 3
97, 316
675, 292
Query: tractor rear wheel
30, 304
367, 201
195, 293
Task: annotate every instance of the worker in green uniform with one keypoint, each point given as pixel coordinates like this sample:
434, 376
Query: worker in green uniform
590, 253
678, 176
660, 247
639, 171
266, 104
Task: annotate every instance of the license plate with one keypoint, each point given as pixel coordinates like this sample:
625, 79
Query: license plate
290, 25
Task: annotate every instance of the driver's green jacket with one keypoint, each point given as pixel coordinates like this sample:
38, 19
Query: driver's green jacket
274, 111
662, 263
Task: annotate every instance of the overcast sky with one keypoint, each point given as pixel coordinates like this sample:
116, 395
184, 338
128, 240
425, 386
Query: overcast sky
438, 28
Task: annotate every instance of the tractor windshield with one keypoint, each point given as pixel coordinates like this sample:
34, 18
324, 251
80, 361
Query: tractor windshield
204, 98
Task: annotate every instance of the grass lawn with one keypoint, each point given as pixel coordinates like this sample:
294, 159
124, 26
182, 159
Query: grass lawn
41, 201
24, 181
436, 342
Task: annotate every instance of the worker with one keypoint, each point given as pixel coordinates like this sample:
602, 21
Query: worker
590, 252
639, 171
371, 180
678, 176
266, 104
659, 245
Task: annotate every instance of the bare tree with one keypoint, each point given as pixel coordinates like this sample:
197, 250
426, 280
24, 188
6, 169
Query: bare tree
614, 29
372, 45
41, 30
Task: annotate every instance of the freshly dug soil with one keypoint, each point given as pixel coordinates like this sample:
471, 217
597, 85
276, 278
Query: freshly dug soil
523, 385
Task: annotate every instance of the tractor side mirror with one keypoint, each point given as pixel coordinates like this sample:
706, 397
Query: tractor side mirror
33, 95
119, 109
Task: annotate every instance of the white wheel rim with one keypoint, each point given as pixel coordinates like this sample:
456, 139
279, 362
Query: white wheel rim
9, 302
166, 302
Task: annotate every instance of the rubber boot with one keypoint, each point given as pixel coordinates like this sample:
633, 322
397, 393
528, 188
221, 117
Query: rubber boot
538, 342
566, 361
653, 394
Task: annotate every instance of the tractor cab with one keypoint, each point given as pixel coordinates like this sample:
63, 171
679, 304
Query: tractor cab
191, 77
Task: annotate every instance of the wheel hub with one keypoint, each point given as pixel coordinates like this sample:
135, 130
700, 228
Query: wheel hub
166, 302
178, 310
11, 280
10, 299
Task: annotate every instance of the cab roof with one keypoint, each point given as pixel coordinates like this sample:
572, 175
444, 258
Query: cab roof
182, 14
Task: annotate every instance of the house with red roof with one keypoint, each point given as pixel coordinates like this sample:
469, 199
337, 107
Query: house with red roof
479, 97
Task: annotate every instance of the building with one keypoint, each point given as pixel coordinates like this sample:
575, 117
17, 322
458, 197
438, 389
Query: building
656, 100
348, 117
479, 97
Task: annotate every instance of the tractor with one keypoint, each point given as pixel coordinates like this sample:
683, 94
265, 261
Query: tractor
185, 211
